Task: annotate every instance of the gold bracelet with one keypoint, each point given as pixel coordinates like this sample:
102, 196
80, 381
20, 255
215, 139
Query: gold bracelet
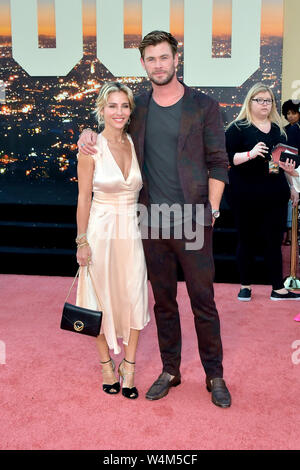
79, 237
82, 244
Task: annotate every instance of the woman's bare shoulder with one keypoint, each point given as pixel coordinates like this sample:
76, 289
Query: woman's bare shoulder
84, 158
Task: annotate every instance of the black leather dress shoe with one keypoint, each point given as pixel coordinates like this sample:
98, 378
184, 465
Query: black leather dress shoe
220, 395
160, 388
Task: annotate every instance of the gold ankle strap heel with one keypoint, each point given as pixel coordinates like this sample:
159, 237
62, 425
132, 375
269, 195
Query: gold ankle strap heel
111, 389
127, 392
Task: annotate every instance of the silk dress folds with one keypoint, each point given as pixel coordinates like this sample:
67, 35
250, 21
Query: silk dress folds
117, 268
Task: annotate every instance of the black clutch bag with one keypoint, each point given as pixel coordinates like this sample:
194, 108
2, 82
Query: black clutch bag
79, 319
292, 157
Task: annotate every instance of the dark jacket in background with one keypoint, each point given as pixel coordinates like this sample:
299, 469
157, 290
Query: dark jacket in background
293, 135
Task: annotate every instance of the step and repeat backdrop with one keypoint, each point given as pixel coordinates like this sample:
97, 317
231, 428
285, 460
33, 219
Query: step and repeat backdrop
56, 54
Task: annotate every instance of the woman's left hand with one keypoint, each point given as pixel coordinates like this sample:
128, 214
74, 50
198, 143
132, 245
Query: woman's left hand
289, 167
294, 196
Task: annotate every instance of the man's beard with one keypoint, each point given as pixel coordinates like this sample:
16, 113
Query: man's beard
166, 80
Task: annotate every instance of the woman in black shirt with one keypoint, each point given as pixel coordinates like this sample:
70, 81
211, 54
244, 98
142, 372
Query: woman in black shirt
258, 198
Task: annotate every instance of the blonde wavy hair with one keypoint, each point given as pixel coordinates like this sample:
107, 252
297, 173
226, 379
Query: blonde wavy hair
245, 113
105, 91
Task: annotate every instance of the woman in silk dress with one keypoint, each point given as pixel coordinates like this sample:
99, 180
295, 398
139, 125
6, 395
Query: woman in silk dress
109, 240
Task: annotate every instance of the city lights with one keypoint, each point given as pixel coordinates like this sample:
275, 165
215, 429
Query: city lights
42, 117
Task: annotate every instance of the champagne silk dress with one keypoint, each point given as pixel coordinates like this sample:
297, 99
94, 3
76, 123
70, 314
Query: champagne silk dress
117, 268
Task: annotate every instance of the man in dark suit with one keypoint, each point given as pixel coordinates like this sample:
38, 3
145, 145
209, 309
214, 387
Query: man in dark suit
180, 144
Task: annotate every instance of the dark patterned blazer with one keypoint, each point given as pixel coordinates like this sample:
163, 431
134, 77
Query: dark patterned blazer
201, 146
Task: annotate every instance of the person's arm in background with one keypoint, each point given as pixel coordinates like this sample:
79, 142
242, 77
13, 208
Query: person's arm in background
293, 177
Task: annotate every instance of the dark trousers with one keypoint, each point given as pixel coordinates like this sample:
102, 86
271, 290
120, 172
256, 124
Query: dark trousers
162, 256
260, 226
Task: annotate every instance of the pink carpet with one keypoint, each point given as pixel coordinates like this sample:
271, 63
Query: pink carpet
51, 395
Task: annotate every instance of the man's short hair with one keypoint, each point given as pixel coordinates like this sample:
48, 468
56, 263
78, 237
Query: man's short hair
156, 37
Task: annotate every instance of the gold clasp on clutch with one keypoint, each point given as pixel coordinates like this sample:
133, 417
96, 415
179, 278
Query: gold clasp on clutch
78, 325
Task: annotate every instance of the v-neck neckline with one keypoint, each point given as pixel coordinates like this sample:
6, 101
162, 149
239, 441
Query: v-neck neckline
125, 179
263, 132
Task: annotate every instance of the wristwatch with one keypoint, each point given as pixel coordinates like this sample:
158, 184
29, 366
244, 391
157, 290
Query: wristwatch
215, 213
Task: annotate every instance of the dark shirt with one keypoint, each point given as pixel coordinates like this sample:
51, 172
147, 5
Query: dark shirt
251, 180
293, 135
160, 162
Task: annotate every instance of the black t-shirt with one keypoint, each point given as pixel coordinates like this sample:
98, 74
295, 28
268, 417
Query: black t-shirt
251, 180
